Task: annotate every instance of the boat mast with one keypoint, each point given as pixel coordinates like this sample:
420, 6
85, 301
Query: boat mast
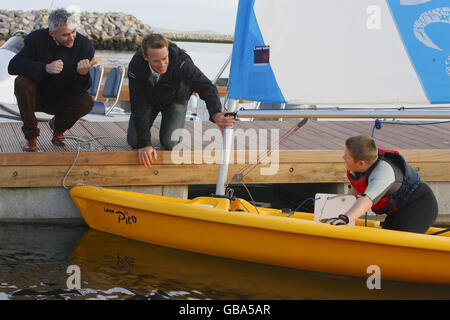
232, 106
336, 113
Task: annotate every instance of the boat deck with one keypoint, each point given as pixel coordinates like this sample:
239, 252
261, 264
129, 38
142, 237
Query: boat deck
312, 155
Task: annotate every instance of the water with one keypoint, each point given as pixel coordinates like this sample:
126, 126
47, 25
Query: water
209, 57
34, 259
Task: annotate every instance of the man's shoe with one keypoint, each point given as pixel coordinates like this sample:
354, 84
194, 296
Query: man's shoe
58, 139
31, 145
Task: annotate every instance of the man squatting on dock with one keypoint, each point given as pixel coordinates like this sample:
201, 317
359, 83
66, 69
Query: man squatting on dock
53, 77
381, 179
162, 78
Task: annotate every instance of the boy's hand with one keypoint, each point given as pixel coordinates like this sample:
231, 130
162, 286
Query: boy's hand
342, 219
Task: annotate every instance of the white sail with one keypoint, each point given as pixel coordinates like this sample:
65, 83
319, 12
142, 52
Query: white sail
342, 52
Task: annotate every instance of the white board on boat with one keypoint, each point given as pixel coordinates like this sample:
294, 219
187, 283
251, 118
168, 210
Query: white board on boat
328, 205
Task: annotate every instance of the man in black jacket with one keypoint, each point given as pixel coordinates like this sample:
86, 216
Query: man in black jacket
162, 78
53, 77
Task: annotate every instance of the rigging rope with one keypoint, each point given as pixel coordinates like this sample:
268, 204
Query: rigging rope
245, 170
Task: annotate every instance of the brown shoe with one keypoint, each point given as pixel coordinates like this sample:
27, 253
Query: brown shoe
58, 139
30, 146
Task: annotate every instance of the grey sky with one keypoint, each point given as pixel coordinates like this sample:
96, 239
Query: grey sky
183, 15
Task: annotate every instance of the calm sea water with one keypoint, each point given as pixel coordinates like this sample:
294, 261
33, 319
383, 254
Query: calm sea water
35, 257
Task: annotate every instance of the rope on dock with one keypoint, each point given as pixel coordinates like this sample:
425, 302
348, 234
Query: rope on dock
379, 123
83, 142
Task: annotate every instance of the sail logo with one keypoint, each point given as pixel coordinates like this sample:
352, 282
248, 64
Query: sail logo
437, 15
122, 216
424, 26
261, 54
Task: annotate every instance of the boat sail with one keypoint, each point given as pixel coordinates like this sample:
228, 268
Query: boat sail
348, 52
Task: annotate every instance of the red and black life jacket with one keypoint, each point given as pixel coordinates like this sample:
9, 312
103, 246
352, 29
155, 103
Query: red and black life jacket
408, 184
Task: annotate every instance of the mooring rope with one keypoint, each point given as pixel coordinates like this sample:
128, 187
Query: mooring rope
84, 143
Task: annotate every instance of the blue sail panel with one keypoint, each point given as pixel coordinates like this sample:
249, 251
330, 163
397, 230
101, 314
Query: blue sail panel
424, 26
251, 74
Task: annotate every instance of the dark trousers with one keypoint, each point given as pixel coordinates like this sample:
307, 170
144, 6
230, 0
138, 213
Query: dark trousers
67, 110
173, 117
417, 215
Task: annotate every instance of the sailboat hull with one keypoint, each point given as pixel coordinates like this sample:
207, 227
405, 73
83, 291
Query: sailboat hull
206, 225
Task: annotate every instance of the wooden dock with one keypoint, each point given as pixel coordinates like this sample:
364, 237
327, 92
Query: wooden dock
312, 155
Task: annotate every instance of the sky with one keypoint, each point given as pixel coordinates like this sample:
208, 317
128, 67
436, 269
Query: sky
180, 15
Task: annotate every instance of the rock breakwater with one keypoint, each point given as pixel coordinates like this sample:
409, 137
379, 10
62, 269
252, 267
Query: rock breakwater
107, 31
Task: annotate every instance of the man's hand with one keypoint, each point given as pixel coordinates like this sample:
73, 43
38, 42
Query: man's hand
342, 219
84, 66
146, 156
223, 121
55, 67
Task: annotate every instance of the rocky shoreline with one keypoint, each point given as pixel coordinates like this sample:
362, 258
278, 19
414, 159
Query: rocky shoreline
107, 31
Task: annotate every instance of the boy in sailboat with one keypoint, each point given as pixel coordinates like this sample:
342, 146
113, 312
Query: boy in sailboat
53, 77
383, 181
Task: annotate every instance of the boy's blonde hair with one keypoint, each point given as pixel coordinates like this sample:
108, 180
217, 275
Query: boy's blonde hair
362, 148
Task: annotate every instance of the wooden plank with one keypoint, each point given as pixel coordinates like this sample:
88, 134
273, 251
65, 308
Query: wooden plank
77, 130
44, 141
51, 176
8, 139
313, 138
389, 137
123, 125
164, 157
106, 139
296, 141
412, 136
46, 176
429, 136
334, 132
432, 132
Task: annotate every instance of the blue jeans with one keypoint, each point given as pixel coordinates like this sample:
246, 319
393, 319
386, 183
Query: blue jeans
173, 117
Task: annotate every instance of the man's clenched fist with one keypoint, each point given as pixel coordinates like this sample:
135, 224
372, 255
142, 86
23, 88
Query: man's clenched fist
55, 67
84, 66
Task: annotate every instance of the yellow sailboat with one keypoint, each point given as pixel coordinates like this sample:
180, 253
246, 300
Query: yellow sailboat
236, 229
